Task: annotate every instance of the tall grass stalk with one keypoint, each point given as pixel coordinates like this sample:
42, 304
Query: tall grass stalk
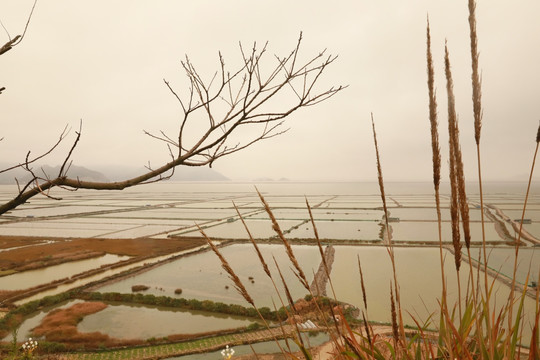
454, 183
436, 152
275, 225
264, 265
517, 243
300, 274
319, 245
389, 244
478, 112
239, 286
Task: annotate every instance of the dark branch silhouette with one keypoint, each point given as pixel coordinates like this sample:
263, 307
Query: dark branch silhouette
229, 102
17, 39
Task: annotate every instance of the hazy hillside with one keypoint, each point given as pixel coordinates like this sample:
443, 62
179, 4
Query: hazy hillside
46, 170
181, 173
111, 174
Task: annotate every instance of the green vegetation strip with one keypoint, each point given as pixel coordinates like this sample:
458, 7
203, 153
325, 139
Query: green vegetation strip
183, 348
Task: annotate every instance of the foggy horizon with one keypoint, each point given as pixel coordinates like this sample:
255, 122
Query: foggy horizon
105, 63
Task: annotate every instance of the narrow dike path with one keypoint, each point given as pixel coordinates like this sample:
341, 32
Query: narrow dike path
184, 348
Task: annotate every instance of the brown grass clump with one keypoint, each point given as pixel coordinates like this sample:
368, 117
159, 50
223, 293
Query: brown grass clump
61, 325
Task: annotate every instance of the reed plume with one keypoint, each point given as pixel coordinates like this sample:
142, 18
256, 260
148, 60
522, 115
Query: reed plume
478, 112
381, 182
285, 287
389, 247
323, 257
518, 240
275, 226
454, 181
475, 76
454, 204
239, 286
364, 298
225, 265
366, 327
435, 149
259, 254
395, 331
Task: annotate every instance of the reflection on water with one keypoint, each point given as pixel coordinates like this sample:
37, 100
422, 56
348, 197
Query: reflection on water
144, 322
28, 279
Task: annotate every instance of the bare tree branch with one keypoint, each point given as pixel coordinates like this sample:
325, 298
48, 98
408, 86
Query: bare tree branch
231, 100
27, 161
17, 39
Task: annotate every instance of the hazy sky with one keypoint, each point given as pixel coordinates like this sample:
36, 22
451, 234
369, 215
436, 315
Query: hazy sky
104, 62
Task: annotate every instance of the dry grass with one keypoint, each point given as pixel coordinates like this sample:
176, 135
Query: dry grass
61, 325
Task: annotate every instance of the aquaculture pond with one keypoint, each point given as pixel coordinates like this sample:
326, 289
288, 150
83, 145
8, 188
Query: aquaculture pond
419, 278
140, 322
201, 276
144, 322
30, 278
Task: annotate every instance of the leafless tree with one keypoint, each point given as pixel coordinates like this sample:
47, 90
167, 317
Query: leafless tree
215, 112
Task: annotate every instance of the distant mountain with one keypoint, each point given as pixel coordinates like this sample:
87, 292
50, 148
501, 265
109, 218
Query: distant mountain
106, 174
74, 172
181, 173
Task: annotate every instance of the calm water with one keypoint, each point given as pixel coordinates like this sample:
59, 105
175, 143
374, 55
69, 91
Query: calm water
144, 322
28, 279
200, 276
342, 211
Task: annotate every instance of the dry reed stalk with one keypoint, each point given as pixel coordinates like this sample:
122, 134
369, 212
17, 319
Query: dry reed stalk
259, 254
275, 226
265, 266
518, 240
364, 298
368, 332
454, 204
285, 287
389, 247
323, 317
475, 76
291, 303
225, 265
237, 283
534, 349
280, 322
478, 112
454, 183
436, 152
395, 331
253, 351
381, 182
323, 257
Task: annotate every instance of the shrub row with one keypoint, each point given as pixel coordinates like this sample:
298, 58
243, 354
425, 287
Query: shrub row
188, 304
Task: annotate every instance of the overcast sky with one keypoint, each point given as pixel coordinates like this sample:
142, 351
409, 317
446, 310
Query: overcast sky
104, 62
